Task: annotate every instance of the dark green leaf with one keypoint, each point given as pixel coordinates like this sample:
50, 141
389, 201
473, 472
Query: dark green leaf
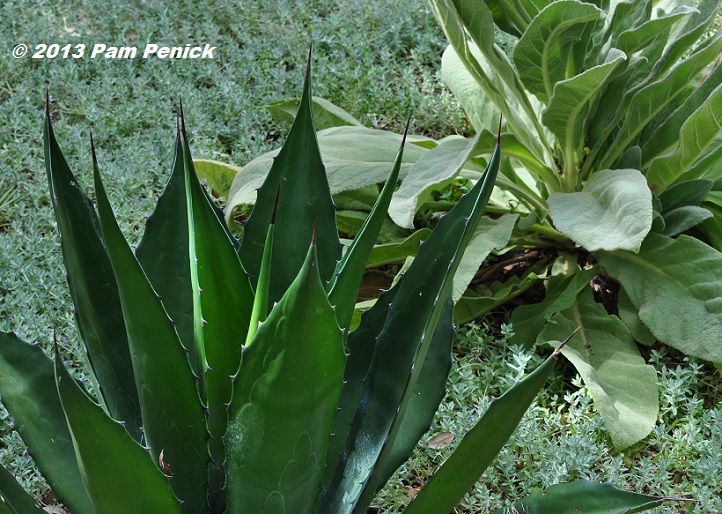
173, 417
425, 400
27, 388
13, 498
118, 473
401, 349
298, 180
285, 401
92, 288
584, 496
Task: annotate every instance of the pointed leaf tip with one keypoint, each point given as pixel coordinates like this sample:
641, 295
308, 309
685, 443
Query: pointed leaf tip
558, 349
92, 150
498, 134
308, 61
182, 118
315, 230
406, 130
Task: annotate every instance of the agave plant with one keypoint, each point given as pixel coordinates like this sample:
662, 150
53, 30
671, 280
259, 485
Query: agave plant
225, 377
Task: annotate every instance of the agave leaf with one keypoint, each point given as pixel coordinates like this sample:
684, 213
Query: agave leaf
284, 402
13, 498
92, 288
360, 345
118, 473
173, 417
304, 201
403, 344
260, 302
552, 41
164, 253
425, 400
223, 302
484, 441
676, 286
623, 387
584, 496
344, 285
29, 394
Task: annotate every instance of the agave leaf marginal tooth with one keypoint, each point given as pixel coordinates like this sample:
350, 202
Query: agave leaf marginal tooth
173, 418
92, 284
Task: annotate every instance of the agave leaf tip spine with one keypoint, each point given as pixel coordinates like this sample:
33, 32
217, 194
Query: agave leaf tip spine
93, 155
308, 62
406, 129
558, 349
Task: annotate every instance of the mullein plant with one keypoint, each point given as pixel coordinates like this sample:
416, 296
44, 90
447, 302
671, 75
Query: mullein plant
225, 376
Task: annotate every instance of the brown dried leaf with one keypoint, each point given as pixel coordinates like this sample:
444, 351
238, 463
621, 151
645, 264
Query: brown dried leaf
441, 440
